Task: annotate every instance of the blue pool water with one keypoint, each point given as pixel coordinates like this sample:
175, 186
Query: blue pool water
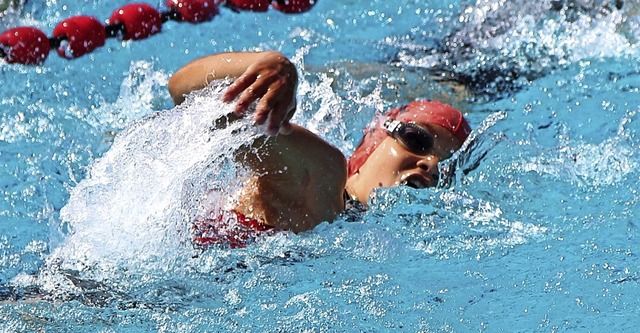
533, 229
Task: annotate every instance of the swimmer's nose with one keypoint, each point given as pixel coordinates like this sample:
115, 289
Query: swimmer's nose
429, 165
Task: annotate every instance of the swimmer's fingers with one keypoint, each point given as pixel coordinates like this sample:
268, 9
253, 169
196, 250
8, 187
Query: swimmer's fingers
272, 81
241, 87
253, 86
276, 107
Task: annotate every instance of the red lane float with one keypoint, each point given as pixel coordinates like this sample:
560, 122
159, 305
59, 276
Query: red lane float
250, 5
194, 11
83, 35
25, 45
293, 6
79, 35
139, 19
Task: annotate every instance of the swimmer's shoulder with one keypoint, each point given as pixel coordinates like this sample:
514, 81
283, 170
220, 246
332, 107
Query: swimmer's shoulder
302, 179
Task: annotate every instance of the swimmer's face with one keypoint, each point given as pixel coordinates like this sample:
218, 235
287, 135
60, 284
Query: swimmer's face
398, 161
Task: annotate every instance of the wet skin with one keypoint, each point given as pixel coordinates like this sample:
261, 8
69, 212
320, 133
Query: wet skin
392, 164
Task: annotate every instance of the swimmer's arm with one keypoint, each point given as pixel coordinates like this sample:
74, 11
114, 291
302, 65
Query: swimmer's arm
198, 73
267, 77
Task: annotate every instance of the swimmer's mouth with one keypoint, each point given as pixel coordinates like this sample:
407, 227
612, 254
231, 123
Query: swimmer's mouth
416, 181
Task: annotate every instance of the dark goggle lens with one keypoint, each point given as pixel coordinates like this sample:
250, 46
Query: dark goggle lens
415, 138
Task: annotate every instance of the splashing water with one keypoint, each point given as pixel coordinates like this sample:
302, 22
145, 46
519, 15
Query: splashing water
166, 163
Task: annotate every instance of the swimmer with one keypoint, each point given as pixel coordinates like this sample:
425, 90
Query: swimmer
299, 180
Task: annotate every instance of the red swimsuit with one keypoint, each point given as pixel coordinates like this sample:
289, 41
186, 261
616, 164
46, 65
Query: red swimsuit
227, 227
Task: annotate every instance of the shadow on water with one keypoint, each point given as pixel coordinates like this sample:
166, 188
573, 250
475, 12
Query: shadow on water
498, 47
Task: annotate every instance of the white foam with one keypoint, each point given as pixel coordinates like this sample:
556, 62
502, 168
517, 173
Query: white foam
136, 205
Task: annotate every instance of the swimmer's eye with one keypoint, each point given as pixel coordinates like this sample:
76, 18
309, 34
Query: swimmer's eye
413, 137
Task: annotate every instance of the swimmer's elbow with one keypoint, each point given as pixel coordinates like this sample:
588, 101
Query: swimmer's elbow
189, 78
178, 89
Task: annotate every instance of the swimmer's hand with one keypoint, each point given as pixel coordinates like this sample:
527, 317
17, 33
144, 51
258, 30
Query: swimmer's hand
272, 81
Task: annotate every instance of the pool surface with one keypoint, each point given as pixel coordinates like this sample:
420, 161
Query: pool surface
533, 229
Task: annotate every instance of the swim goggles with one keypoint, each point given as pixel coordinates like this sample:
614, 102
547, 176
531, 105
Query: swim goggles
413, 137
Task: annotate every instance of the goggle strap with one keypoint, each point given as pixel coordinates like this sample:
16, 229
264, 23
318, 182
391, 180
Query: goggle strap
391, 126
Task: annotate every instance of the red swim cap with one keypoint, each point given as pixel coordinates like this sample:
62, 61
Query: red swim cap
430, 112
